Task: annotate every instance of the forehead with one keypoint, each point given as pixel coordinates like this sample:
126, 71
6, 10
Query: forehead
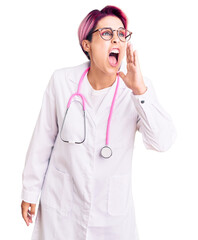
110, 21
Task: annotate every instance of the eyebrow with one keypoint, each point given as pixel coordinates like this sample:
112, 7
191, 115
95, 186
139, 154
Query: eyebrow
111, 27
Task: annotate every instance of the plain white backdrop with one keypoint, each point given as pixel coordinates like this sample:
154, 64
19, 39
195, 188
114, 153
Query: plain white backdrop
38, 37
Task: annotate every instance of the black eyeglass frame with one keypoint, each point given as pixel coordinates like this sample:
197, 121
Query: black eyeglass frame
99, 29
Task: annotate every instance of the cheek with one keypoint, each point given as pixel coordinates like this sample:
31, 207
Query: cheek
101, 51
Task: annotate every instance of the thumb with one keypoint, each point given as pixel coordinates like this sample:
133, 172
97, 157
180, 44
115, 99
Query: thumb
122, 75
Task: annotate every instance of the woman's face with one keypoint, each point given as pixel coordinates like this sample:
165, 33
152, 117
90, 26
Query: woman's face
99, 49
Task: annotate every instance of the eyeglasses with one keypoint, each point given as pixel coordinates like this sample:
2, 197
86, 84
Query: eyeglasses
107, 33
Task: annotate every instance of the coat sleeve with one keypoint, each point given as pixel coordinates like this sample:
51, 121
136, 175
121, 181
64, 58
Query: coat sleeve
40, 147
154, 123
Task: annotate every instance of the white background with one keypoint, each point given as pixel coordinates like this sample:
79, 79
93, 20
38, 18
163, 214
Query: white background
38, 37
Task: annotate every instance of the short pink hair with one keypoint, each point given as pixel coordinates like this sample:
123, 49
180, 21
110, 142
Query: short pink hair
89, 23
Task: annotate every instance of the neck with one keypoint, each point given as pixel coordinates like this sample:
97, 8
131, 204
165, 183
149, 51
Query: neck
99, 79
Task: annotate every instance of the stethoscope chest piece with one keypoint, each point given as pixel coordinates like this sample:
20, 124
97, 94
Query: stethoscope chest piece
106, 152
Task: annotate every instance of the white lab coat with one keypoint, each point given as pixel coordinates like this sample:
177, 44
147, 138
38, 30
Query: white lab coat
84, 196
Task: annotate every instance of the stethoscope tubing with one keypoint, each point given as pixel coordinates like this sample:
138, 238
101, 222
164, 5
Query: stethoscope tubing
83, 105
111, 111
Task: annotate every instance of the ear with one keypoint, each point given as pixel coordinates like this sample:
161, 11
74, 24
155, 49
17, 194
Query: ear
86, 45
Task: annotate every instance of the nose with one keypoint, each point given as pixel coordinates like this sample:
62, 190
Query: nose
115, 37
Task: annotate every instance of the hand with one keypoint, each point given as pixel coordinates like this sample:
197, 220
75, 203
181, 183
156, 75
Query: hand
28, 213
133, 79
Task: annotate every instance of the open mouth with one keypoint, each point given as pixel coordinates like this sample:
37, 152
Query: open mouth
113, 58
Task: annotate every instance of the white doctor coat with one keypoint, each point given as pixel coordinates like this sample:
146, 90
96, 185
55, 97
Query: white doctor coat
83, 196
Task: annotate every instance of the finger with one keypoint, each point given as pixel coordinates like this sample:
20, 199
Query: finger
136, 61
29, 215
122, 75
33, 208
127, 53
24, 209
31, 212
131, 54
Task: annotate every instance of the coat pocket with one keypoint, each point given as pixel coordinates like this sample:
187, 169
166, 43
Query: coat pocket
57, 191
119, 194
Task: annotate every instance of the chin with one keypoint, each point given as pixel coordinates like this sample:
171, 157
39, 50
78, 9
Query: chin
112, 70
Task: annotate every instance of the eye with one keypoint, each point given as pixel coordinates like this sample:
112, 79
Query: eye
122, 33
106, 32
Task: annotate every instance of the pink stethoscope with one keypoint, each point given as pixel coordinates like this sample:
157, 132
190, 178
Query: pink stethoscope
106, 151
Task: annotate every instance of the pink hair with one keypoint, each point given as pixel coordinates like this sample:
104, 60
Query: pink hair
89, 23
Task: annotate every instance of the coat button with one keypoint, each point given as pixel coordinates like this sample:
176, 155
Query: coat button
142, 101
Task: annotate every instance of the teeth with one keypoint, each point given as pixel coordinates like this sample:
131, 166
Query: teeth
115, 51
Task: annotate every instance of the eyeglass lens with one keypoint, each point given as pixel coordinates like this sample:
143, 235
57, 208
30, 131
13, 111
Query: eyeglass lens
107, 34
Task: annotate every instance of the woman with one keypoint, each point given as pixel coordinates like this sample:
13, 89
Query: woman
86, 186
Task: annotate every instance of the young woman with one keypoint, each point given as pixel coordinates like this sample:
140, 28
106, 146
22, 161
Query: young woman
80, 159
